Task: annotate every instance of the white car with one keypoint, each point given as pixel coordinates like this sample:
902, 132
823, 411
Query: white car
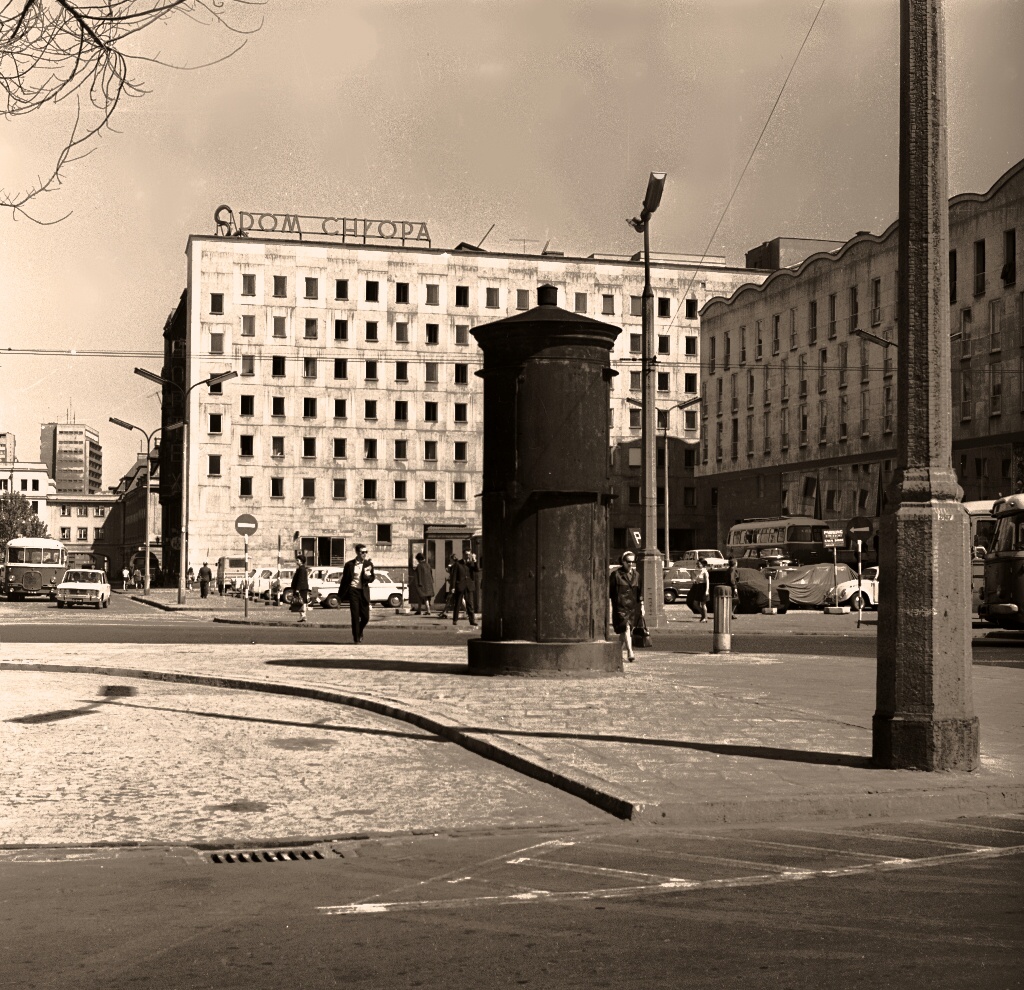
323, 588
83, 587
867, 597
691, 559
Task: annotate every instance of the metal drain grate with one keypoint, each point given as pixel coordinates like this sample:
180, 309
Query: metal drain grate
267, 856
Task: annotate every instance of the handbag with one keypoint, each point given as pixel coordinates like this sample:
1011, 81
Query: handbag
296, 603
641, 635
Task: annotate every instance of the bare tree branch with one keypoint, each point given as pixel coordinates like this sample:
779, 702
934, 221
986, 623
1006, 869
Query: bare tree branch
55, 50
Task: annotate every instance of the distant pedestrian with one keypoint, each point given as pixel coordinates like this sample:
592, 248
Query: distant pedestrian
190, 578
275, 588
449, 587
734, 583
300, 587
137, 577
356, 579
463, 579
422, 585
124, 578
205, 577
697, 599
627, 602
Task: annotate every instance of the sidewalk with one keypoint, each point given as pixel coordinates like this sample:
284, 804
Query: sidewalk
680, 738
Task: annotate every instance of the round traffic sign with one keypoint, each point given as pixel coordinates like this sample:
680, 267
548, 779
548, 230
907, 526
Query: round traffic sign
860, 528
246, 525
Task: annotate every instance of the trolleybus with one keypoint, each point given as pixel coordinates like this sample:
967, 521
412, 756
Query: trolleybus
33, 566
1003, 599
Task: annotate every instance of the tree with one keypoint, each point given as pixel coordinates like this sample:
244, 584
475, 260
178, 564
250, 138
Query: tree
17, 518
53, 51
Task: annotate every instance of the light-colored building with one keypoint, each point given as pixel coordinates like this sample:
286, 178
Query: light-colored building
799, 411
73, 456
28, 478
357, 412
7, 448
87, 526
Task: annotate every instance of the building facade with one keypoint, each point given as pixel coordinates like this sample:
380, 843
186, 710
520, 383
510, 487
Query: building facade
73, 456
7, 448
28, 478
88, 528
799, 384
357, 413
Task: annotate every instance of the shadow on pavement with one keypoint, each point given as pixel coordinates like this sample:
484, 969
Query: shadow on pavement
397, 666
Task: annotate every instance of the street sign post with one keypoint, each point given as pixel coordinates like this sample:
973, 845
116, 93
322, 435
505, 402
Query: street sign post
245, 526
834, 538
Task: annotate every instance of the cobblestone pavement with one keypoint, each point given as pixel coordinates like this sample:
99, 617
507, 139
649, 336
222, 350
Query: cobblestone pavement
681, 737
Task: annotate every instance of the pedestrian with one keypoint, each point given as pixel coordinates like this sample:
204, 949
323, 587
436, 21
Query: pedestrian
137, 577
463, 578
449, 588
699, 590
356, 579
422, 585
627, 601
190, 578
124, 578
205, 577
734, 583
474, 591
300, 586
275, 588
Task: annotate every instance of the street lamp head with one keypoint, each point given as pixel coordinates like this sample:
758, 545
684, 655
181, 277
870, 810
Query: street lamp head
655, 187
151, 376
173, 426
222, 376
122, 423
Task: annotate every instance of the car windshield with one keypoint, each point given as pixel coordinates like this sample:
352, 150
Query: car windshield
83, 577
383, 576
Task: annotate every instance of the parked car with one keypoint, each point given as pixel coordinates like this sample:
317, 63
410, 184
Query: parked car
323, 588
83, 587
847, 592
677, 581
714, 558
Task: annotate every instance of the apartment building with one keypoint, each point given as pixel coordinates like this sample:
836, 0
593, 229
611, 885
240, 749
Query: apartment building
357, 413
799, 383
73, 457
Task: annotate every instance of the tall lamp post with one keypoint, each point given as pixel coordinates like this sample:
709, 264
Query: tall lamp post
222, 376
650, 558
149, 470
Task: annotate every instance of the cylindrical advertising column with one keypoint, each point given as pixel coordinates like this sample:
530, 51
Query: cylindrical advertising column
547, 375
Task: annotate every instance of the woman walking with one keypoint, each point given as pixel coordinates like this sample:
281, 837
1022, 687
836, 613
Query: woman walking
627, 601
300, 586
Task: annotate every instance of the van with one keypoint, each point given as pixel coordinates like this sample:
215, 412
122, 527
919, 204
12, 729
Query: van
230, 574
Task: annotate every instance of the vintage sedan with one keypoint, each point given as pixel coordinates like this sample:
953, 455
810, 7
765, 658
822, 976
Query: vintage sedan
866, 596
323, 589
83, 587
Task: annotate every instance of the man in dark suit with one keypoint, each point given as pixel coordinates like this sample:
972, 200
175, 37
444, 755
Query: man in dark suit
463, 580
356, 579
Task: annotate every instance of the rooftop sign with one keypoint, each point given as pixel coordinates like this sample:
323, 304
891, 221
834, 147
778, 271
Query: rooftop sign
351, 230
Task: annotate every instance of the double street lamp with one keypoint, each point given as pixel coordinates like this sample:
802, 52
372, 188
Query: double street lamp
222, 376
149, 470
650, 562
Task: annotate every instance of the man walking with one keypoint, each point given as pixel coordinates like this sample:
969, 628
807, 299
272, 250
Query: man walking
300, 586
356, 579
463, 577
422, 585
205, 577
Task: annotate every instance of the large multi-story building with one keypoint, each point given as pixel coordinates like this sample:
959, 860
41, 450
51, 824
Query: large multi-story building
357, 413
7, 448
799, 383
73, 456
28, 478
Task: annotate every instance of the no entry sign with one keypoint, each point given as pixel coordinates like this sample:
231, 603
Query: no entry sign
246, 525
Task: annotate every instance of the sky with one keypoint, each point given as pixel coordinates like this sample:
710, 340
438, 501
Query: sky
542, 117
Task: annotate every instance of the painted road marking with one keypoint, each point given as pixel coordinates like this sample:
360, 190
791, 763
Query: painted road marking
605, 893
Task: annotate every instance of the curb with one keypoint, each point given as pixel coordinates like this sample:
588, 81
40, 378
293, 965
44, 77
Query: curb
972, 798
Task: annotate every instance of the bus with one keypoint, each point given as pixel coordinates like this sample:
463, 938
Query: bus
1003, 599
798, 538
983, 526
33, 566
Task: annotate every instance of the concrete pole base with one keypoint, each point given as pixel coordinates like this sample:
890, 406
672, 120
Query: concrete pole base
904, 742
524, 658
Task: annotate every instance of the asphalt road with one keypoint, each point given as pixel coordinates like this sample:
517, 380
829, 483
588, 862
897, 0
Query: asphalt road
882, 905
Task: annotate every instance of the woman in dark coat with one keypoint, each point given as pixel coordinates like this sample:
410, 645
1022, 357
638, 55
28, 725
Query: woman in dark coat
627, 601
422, 585
300, 586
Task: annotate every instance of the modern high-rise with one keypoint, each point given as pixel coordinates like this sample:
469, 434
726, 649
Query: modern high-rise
73, 457
7, 448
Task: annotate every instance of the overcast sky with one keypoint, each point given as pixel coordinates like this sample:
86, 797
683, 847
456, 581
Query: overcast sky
542, 117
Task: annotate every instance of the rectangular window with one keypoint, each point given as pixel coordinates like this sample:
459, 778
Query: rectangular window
277, 366
277, 446
309, 487
245, 486
430, 450
690, 346
832, 318
854, 308
522, 298
247, 405
340, 368
636, 381
979, 268
309, 446
812, 322
690, 419
664, 343
792, 330
248, 365
433, 295
664, 308
662, 424
865, 413
312, 288
663, 381
341, 329
431, 372
65, 510
245, 445
634, 418
691, 309
341, 288
277, 405
636, 306
876, 301
340, 408
608, 304
690, 382
492, 298
995, 395
370, 449
430, 412
462, 334
1009, 271
461, 450
280, 286
401, 333
248, 285
312, 330
843, 414
213, 465
309, 408
383, 532
966, 326
217, 303
372, 291
369, 488
371, 371
65, 532
401, 450
277, 487
248, 326
433, 333
726, 350
215, 423
280, 326
83, 533
776, 330
401, 292
844, 361
340, 447
887, 423
462, 295
461, 374
309, 367
995, 324
401, 371
369, 409
430, 491
371, 331
216, 343
952, 277
712, 354
823, 421
580, 303
461, 412
400, 488
339, 488
401, 411
459, 491
636, 343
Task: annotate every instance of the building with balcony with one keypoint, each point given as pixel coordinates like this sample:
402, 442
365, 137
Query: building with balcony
73, 456
799, 375
357, 413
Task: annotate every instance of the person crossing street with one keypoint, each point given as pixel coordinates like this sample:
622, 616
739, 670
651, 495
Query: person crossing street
355, 589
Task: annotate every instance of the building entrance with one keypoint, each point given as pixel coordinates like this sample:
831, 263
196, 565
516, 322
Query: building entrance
323, 551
